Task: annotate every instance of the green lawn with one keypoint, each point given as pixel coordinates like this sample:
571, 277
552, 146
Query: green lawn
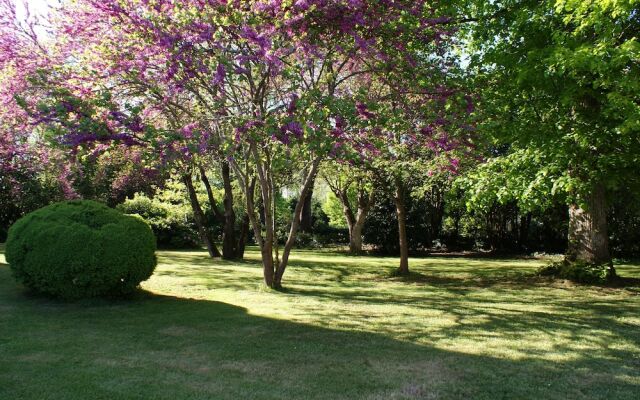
458, 329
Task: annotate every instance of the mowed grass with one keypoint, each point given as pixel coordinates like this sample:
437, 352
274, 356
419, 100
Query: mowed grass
459, 328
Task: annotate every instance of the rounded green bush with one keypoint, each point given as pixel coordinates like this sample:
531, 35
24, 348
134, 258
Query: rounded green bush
77, 249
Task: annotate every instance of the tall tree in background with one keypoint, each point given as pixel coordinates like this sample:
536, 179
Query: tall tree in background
353, 187
561, 101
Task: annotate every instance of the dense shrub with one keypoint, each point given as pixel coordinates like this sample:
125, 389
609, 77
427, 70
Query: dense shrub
445, 223
624, 224
327, 235
171, 223
322, 233
381, 227
578, 271
22, 193
78, 249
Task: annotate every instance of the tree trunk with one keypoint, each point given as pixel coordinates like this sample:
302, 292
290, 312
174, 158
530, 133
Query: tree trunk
356, 221
588, 237
306, 218
229, 239
268, 266
212, 200
199, 218
365, 202
273, 269
399, 198
266, 243
243, 237
525, 224
355, 238
349, 216
227, 218
227, 221
295, 223
247, 180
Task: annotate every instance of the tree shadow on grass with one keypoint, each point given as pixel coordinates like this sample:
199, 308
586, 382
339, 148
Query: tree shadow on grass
157, 347
163, 347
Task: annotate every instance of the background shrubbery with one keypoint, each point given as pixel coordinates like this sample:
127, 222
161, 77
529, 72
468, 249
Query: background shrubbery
323, 233
171, 224
170, 215
578, 272
79, 249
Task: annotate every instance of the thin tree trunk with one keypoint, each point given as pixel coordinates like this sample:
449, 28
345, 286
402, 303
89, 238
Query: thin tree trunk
268, 267
229, 239
355, 222
265, 245
349, 216
248, 183
306, 218
295, 223
525, 224
588, 237
227, 218
243, 237
272, 272
365, 202
227, 253
210, 196
199, 218
399, 198
267, 191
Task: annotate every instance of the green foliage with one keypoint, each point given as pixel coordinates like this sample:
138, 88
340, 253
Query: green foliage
333, 209
322, 234
522, 176
78, 249
578, 272
171, 222
624, 225
560, 82
35, 191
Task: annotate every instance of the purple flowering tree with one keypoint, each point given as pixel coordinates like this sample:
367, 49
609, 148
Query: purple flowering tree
269, 88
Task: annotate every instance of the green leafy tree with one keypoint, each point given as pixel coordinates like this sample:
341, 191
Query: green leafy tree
353, 188
560, 84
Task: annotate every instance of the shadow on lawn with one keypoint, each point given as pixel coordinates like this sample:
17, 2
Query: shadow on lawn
167, 347
480, 297
454, 289
162, 347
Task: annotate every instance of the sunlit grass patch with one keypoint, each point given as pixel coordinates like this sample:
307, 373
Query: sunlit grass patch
342, 329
